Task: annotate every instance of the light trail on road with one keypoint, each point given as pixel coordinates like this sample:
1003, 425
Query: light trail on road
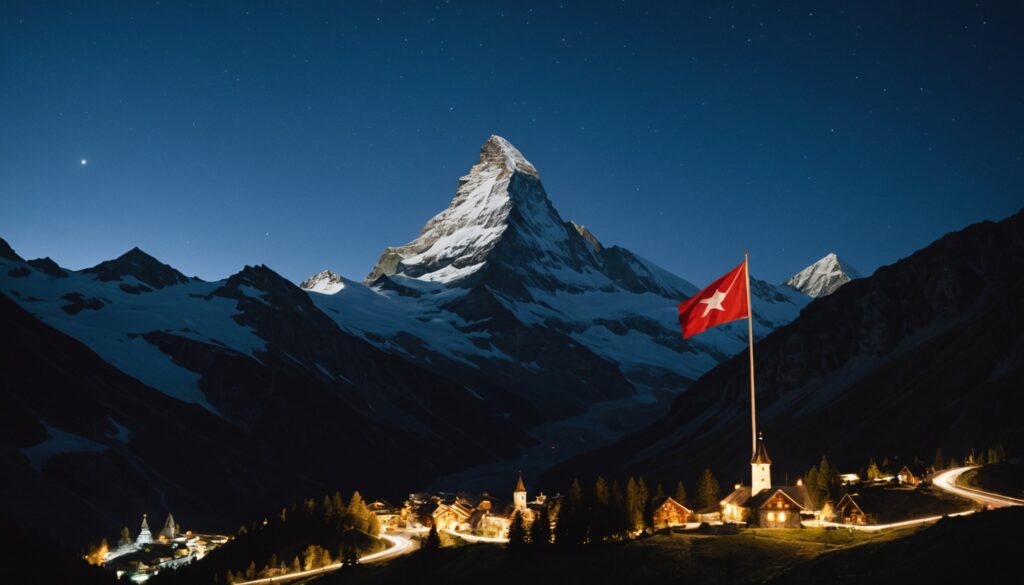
399, 546
946, 481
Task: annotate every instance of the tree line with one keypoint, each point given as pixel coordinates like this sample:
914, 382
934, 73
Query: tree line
604, 512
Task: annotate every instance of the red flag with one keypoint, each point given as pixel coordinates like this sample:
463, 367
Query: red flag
723, 301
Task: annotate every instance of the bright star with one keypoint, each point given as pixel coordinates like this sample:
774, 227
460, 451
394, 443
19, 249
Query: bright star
714, 302
84, 162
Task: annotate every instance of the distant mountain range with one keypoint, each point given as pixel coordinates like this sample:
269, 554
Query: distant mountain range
925, 354
501, 334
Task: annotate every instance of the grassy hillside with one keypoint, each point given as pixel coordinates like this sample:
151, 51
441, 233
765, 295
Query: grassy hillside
749, 557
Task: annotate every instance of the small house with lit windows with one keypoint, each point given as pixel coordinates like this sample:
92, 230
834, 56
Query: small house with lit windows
850, 510
668, 512
907, 477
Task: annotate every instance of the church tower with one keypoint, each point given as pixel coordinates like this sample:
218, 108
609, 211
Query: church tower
145, 536
519, 495
760, 468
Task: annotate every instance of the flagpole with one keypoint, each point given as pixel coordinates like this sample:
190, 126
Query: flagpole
750, 338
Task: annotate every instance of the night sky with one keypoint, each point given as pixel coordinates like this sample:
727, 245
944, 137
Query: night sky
309, 136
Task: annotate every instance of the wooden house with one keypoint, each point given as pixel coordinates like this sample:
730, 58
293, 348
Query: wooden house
669, 512
907, 477
850, 511
776, 507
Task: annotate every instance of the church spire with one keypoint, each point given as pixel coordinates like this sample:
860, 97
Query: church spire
145, 536
760, 468
519, 495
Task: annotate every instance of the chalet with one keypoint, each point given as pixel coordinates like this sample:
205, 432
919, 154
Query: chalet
386, 514
907, 477
763, 504
669, 512
452, 516
850, 511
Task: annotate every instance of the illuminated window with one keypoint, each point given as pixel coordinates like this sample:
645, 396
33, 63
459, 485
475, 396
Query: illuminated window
782, 516
771, 516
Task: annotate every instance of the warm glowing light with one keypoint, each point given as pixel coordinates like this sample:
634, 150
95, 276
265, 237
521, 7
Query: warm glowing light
782, 516
771, 516
799, 482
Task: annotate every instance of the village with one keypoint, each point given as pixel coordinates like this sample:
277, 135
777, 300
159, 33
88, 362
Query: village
870, 501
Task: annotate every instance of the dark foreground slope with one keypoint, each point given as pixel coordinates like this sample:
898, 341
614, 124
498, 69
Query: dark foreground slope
926, 353
982, 548
972, 549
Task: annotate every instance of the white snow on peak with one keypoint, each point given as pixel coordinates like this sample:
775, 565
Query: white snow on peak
325, 282
498, 149
455, 242
823, 277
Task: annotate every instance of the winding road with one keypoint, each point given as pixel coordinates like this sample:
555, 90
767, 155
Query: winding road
400, 545
946, 481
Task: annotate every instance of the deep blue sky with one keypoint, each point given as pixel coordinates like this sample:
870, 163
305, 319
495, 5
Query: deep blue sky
308, 136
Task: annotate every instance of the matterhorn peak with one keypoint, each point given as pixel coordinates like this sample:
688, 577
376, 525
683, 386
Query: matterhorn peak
497, 150
502, 188
324, 282
823, 277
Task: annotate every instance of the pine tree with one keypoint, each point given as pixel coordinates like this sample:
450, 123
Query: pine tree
250, 571
373, 526
825, 481
570, 527
516, 533
540, 531
618, 515
126, 537
433, 542
938, 462
813, 483
680, 495
708, 490
886, 468
296, 566
634, 519
600, 517
643, 506
873, 471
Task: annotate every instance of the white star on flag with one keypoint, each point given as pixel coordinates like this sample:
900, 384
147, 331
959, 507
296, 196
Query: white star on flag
714, 302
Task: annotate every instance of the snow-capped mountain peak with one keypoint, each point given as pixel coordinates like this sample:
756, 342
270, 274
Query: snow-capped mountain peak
500, 189
501, 151
325, 282
823, 277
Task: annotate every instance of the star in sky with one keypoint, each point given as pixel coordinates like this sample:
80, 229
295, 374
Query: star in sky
83, 162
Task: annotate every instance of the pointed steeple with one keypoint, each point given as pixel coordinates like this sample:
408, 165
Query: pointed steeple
761, 455
519, 495
170, 528
145, 536
760, 468
519, 484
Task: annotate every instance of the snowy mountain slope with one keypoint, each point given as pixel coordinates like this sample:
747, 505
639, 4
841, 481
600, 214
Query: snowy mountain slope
823, 277
502, 240
254, 350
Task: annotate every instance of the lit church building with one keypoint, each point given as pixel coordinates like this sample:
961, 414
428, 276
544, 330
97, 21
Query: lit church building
762, 504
